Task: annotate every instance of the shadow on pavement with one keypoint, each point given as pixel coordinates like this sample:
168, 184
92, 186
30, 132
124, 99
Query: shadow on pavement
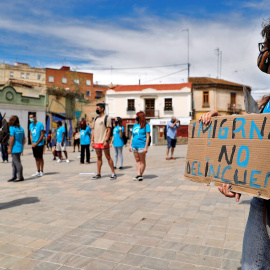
126, 167
244, 202
50, 173
19, 202
150, 176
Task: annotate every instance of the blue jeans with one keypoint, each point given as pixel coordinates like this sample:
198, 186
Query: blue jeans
256, 244
118, 151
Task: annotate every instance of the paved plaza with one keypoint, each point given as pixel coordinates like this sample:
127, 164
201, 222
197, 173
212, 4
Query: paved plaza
66, 221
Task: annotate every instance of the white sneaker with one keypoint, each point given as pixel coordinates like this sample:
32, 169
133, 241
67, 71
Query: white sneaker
58, 160
5, 161
67, 161
36, 174
41, 174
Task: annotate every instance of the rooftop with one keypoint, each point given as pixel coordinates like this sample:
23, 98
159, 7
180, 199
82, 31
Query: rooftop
207, 80
159, 87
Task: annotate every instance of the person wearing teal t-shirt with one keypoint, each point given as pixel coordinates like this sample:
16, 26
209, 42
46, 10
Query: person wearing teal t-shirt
118, 141
37, 140
61, 142
139, 143
16, 143
85, 137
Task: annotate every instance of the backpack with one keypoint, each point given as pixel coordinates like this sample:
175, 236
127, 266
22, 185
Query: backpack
4, 130
105, 123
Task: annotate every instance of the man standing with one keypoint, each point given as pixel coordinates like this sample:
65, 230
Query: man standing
36, 136
61, 142
101, 134
172, 127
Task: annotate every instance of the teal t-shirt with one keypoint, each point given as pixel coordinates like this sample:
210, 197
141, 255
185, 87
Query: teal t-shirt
59, 134
85, 136
117, 140
18, 133
139, 135
35, 130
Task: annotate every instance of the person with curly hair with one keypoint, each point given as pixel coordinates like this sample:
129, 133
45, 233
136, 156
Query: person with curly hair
263, 60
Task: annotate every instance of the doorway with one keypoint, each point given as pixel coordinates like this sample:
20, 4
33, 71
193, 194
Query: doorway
150, 107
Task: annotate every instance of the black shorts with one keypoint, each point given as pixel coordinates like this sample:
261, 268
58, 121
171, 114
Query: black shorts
77, 142
38, 151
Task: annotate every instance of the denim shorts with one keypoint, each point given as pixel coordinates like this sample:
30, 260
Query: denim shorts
171, 142
256, 244
138, 150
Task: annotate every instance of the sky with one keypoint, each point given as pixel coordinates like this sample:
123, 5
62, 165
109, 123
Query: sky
132, 41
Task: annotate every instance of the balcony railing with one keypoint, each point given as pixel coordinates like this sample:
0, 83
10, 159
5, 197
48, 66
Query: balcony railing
234, 108
168, 109
152, 113
131, 109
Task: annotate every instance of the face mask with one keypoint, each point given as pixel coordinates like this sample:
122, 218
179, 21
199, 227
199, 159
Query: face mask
31, 120
263, 61
116, 123
137, 119
97, 111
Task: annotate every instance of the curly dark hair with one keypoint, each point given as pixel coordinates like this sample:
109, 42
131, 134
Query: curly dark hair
266, 32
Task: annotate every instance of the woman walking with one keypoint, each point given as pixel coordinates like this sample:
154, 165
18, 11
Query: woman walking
139, 143
118, 141
16, 143
85, 133
49, 140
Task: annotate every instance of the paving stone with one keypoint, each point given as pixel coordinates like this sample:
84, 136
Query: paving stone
66, 221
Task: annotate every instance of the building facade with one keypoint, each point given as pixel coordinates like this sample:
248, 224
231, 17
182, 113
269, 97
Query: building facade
69, 80
159, 102
209, 94
23, 72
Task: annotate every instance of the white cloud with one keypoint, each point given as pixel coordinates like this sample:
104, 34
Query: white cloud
152, 42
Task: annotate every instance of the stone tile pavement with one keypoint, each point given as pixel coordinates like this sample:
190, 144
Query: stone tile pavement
66, 221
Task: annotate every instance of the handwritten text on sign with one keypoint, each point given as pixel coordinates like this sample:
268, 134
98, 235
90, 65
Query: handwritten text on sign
231, 149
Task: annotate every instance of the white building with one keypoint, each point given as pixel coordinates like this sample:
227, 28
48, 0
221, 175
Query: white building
159, 102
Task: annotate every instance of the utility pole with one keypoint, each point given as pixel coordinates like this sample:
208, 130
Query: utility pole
188, 64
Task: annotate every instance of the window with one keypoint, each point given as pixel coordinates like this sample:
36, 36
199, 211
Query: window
131, 104
77, 81
98, 94
11, 74
51, 79
39, 77
233, 98
205, 98
27, 75
88, 82
22, 75
64, 80
88, 93
168, 104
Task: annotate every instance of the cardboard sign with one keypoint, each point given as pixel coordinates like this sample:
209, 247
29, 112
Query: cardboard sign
232, 149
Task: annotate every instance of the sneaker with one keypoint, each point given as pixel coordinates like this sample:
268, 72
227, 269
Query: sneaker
114, 167
5, 161
58, 160
54, 158
67, 161
113, 177
97, 176
136, 178
121, 168
41, 174
36, 174
140, 178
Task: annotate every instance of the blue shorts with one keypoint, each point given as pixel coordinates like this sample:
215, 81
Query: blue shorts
171, 142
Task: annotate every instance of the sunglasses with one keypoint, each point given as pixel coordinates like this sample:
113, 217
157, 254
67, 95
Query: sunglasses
261, 46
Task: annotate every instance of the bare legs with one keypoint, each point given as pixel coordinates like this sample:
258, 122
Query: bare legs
140, 162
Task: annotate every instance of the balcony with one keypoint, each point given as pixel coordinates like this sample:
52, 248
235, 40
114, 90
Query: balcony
152, 113
168, 109
131, 109
234, 108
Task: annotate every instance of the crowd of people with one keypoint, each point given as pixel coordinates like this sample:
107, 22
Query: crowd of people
104, 134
